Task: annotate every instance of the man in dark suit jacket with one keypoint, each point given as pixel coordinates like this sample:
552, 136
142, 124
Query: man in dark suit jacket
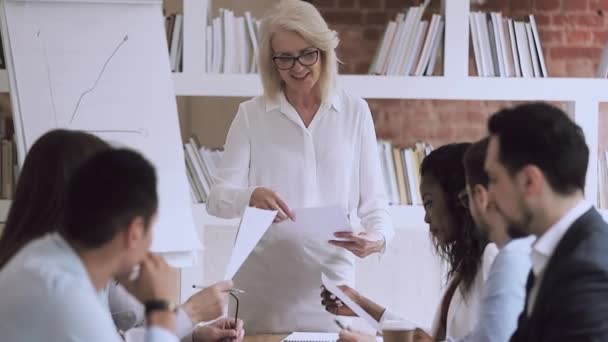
537, 163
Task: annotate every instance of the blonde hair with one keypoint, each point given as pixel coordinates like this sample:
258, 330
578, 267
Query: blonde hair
302, 18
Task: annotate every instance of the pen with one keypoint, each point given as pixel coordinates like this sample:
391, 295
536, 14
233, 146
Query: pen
341, 325
235, 290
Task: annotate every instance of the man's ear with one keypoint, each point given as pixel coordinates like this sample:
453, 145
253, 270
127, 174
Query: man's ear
135, 232
530, 179
480, 196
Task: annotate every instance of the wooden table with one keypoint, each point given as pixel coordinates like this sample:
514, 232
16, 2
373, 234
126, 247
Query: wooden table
264, 338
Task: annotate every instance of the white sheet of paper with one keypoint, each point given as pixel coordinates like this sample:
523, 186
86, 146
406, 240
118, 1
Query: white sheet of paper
311, 337
254, 224
321, 222
333, 288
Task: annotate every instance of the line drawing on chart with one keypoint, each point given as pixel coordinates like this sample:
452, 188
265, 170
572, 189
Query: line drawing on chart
81, 97
141, 131
103, 69
48, 76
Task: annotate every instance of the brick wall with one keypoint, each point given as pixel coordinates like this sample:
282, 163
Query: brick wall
572, 33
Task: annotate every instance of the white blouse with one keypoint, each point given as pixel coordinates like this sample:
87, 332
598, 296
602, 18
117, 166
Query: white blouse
463, 313
333, 161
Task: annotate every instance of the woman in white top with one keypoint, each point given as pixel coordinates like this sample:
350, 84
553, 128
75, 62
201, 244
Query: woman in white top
457, 240
304, 143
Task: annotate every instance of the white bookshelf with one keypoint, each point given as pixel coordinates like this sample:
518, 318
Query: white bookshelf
583, 95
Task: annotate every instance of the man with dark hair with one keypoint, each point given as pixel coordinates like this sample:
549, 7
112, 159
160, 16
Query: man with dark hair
52, 285
536, 164
504, 290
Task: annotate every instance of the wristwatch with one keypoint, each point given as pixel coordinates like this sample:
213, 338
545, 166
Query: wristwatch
159, 305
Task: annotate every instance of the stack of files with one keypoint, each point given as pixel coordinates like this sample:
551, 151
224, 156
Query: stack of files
410, 46
174, 26
231, 44
506, 48
201, 166
401, 171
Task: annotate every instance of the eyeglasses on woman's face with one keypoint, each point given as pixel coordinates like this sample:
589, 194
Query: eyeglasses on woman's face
286, 62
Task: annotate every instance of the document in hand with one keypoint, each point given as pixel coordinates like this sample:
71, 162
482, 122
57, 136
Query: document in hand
253, 225
320, 222
333, 288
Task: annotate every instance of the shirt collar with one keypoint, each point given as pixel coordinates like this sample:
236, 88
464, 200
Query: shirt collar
544, 247
518, 244
280, 102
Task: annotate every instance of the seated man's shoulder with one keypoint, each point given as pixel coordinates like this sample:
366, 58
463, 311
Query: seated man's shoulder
593, 248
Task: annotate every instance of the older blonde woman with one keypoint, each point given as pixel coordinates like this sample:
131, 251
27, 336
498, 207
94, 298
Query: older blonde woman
303, 143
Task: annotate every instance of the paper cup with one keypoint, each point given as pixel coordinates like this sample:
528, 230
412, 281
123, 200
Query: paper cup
398, 331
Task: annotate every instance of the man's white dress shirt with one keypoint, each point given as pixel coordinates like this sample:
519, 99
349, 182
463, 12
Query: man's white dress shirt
543, 248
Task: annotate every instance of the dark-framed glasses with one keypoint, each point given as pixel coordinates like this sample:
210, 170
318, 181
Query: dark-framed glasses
463, 198
308, 58
236, 311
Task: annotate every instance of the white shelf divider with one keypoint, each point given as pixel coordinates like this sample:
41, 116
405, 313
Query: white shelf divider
195, 22
423, 88
586, 115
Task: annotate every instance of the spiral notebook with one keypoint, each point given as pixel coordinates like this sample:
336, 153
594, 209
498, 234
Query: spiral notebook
311, 337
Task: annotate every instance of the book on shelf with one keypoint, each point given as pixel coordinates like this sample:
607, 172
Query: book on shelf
231, 44
201, 166
401, 171
174, 25
2, 61
9, 168
409, 45
602, 69
503, 47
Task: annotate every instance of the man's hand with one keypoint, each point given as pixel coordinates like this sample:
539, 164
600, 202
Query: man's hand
156, 280
208, 304
223, 328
